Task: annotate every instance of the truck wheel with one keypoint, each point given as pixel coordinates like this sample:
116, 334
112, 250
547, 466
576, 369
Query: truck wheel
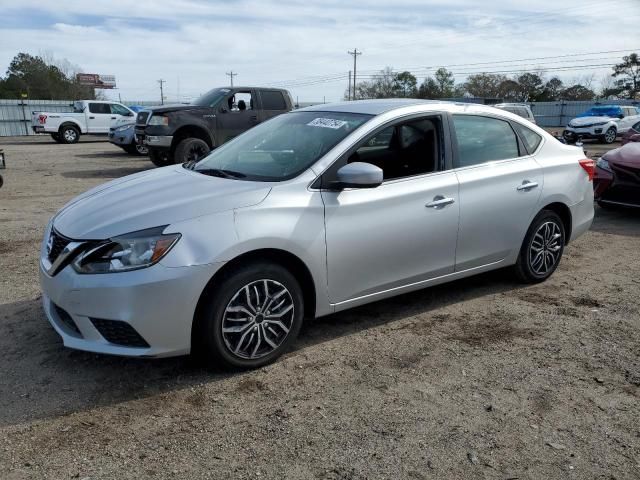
56, 137
160, 158
69, 134
191, 150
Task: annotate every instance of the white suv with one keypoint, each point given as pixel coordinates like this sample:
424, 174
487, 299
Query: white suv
603, 122
519, 109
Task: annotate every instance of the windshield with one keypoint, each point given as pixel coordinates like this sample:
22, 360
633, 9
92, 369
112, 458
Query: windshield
212, 97
281, 148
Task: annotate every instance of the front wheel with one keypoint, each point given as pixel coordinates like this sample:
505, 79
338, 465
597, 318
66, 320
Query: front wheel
251, 318
609, 136
542, 248
191, 150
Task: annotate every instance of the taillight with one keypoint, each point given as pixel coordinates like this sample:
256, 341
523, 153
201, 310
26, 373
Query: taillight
589, 167
42, 119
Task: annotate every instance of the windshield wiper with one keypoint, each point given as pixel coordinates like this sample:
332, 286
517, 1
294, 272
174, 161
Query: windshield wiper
220, 172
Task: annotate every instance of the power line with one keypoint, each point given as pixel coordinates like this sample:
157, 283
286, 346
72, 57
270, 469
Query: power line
355, 54
231, 74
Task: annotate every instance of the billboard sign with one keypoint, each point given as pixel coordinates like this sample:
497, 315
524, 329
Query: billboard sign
96, 81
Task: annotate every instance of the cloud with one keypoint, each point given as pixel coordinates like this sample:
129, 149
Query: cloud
193, 43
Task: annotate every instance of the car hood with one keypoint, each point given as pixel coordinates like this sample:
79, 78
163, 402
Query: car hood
161, 196
175, 108
576, 122
628, 155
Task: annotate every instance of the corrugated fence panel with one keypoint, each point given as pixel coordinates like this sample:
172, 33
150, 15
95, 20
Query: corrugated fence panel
15, 115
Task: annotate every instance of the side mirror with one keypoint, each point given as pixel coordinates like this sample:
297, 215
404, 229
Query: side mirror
358, 175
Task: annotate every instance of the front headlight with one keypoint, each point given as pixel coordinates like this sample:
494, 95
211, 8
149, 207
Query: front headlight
126, 252
599, 123
159, 120
603, 164
123, 128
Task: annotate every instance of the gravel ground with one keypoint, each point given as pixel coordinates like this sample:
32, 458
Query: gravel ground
481, 378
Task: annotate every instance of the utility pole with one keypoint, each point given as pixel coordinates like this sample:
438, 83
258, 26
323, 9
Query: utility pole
162, 82
231, 74
349, 87
355, 54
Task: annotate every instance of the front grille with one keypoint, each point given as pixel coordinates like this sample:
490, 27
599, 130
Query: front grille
55, 245
66, 319
119, 333
142, 117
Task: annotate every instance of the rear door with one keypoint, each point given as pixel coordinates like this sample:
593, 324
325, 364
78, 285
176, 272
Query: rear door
272, 103
98, 117
500, 185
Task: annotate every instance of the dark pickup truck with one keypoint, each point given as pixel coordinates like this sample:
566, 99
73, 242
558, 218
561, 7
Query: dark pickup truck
183, 133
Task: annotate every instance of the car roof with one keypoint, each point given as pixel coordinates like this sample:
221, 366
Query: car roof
241, 87
379, 106
375, 107
498, 105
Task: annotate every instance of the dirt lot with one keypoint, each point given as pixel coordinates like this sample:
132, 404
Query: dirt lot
482, 378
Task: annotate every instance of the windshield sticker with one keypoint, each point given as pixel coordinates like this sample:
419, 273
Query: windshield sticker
327, 123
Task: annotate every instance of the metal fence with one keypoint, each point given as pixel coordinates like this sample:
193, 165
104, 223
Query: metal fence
15, 115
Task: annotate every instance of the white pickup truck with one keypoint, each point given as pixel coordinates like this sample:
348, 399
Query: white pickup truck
88, 116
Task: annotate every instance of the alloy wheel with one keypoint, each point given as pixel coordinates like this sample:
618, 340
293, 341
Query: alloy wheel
195, 153
258, 319
610, 135
545, 249
70, 135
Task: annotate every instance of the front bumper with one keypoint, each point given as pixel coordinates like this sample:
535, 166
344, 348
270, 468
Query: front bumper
157, 303
158, 141
122, 138
572, 133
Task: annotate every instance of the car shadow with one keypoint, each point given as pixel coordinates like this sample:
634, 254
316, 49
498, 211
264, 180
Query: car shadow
103, 172
617, 221
36, 365
110, 154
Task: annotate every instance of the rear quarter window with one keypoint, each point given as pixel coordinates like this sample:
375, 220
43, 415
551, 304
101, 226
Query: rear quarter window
273, 100
530, 138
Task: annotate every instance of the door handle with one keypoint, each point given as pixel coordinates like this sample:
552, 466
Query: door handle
439, 201
92, 118
113, 118
527, 185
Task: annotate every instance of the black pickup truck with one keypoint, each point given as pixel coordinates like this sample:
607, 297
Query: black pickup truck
182, 133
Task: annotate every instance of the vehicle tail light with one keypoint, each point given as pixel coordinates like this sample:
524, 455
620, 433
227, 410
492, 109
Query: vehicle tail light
589, 167
42, 119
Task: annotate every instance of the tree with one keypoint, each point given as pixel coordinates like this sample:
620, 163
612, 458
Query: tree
531, 87
509, 90
404, 84
445, 81
429, 89
628, 76
38, 79
552, 90
578, 92
484, 85
381, 85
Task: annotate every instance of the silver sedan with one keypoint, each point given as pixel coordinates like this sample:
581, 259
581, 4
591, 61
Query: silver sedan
310, 213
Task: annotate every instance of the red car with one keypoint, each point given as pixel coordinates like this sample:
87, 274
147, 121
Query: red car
631, 135
616, 181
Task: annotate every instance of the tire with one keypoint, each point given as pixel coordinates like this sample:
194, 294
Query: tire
130, 149
69, 134
56, 137
191, 150
141, 150
541, 240
227, 304
609, 136
160, 158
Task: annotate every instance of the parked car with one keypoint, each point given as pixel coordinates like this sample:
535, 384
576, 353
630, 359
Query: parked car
604, 123
302, 216
122, 134
519, 109
617, 177
631, 135
88, 116
182, 133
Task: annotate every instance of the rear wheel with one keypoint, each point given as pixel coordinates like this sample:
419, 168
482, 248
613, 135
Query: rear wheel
69, 134
251, 318
609, 136
160, 158
191, 150
542, 248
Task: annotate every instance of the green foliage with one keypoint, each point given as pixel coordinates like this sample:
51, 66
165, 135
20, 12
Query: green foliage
627, 76
39, 79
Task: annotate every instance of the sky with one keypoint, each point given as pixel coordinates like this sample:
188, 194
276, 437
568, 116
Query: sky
302, 45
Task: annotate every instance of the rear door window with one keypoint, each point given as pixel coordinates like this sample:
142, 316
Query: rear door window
484, 139
530, 138
273, 100
100, 108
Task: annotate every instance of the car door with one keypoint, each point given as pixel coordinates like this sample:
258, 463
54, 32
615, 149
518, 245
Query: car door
118, 112
500, 185
99, 117
630, 118
237, 114
400, 233
272, 103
